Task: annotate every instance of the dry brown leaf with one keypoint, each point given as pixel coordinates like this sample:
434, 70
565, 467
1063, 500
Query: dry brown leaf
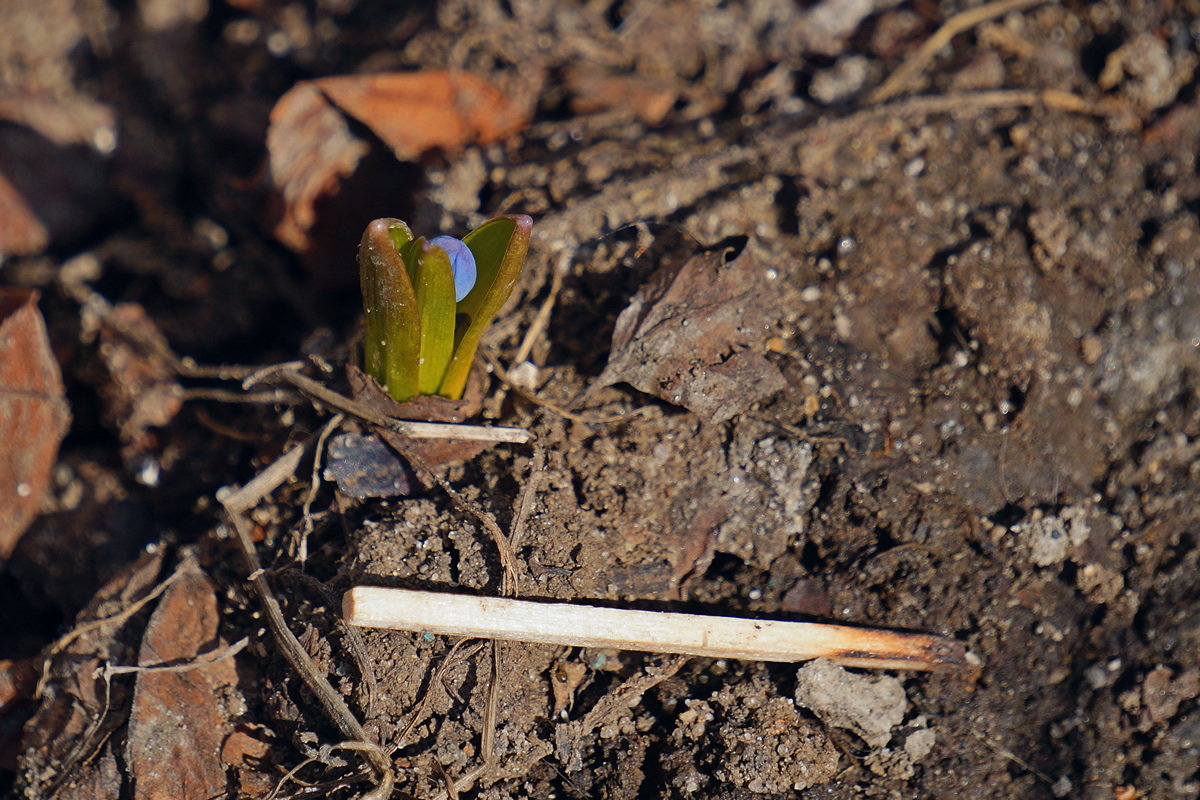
142, 392
415, 112
315, 156
179, 720
245, 751
691, 336
243, 748
33, 413
76, 714
21, 231
429, 408
311, 151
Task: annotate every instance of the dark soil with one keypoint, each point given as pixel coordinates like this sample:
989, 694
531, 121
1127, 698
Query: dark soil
974, 408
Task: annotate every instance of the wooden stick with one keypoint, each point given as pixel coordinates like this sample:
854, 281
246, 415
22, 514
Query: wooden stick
411, 428
457, 430
654, 631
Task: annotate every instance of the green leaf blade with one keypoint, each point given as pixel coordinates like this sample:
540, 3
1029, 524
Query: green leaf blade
392, 328
499, 246
435, 302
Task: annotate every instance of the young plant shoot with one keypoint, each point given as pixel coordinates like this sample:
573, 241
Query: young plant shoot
428, 302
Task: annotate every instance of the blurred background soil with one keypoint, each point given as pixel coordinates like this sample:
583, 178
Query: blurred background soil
947, 381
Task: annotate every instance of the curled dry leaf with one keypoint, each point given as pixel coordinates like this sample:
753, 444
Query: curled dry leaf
427, 408
142, 392
33, 413
313, 151
691, 336
20, 229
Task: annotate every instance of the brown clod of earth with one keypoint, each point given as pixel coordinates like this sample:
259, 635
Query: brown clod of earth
692, 335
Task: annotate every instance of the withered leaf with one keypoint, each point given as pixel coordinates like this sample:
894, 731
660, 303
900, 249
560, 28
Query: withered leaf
142, 392
415, 112
692, 333
33, 413
69, 712
429, 408
179, 719
313, 151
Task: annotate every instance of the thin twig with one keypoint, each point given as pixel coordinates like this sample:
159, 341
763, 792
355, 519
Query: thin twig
323, 757
268, 397
508, 561
542, 318
414, 430
525, 505
920, 58
228, 431
447, 781
199, 662
87, 739
314, 486
95, 302
508, 587
358, 648
237, 503
289, 775
491, 713
421, 710
119, 618
506, 547
265, 373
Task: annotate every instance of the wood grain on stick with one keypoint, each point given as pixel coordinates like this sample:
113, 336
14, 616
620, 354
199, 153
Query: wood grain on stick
653, 631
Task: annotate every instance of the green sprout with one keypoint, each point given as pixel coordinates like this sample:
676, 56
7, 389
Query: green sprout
427, 303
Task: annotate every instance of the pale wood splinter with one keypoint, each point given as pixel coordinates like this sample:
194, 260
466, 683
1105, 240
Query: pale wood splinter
652, 631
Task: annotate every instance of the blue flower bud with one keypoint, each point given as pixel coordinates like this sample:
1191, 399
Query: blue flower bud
462, 261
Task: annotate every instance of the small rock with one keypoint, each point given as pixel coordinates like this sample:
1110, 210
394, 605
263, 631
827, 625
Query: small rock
868, 706
1047, 540
363, 466
1163, 691
840, 81
919, 743
1062, 787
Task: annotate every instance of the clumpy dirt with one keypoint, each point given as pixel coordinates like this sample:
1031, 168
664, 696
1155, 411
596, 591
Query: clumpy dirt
939, 372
